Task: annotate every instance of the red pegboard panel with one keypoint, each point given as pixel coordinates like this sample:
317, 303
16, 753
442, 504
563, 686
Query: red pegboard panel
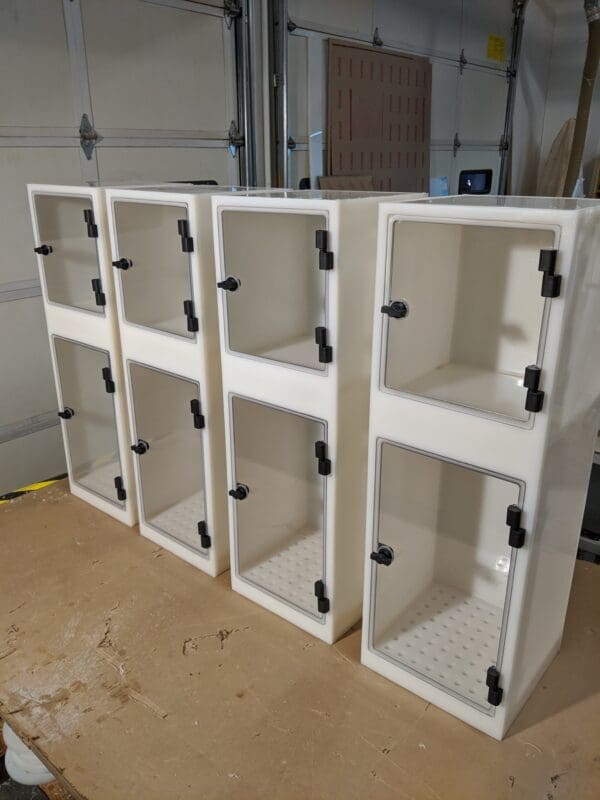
379, 116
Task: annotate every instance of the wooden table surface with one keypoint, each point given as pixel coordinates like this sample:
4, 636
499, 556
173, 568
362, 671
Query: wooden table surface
134, 675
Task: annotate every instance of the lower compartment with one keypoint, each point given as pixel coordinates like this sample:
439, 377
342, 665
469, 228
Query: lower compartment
442, 570
279, 531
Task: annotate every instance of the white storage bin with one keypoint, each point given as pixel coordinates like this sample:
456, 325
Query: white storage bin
477, 483
296, 273
163, 259
71, 241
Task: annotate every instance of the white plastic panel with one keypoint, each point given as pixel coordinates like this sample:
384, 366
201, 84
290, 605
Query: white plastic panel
280, 299
158, 281
157, 56
34, 65
91, 431
279, 525
72, 263
171, 471
475, 313
438, 608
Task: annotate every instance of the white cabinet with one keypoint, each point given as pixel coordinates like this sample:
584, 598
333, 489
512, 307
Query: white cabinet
295, 272
484, 410
71, 243
163, 261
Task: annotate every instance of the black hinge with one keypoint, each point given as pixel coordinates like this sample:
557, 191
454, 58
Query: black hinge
516, 536
531, 381
325, 350
92, 228
492, 680
98, 293
121, 493
321, 455
192, 321
323, 604
196, 410
187, 243
109, 384
325, 255
205, 540
550, 281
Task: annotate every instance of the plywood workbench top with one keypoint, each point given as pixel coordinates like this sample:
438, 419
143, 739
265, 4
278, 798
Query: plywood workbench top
135, 676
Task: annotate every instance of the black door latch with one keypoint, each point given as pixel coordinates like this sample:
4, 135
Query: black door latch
240, 492
43, 250
66, 413
141, 447
229, 284
383, 555
396, 309
123, 263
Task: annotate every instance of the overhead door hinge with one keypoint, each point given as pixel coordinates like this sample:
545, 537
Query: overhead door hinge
236, 139
205, 540
325, 255
92, 228
323, 604
456, 145
192, 321
196, 410
531, 381
231, 10
187, 243
88, 136
98, 293
325, 350
377, 40
121, 493
550, 282
492, 680
321, 456
516, 536
462, 61
109, 384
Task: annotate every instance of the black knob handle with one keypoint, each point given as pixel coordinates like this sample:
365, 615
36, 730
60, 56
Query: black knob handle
396, 309
66, 413
240, 492
141, 447
383, 555
230, 284
122, 263
43, 250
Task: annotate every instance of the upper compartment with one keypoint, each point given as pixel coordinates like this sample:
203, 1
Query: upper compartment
274, 276
68, 234
153, 265
465, 314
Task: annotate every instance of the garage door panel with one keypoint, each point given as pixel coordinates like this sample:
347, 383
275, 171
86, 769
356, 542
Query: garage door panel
476, 159
35, 78
298, 82
18, 167
142, 164
444, 93
30, 459
441, 165
422, 25
482, 19
156, 68
482, 106
27, 368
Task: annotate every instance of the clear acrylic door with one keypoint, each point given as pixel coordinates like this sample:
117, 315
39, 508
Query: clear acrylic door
279, 299
70, 257
168, 423
88, 411
156, 281
280, 523
472, 315
439, 607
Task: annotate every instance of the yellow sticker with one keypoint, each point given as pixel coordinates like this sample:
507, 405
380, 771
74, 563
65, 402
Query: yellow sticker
496, 48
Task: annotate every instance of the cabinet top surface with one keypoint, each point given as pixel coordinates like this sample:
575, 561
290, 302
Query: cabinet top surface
509, 201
